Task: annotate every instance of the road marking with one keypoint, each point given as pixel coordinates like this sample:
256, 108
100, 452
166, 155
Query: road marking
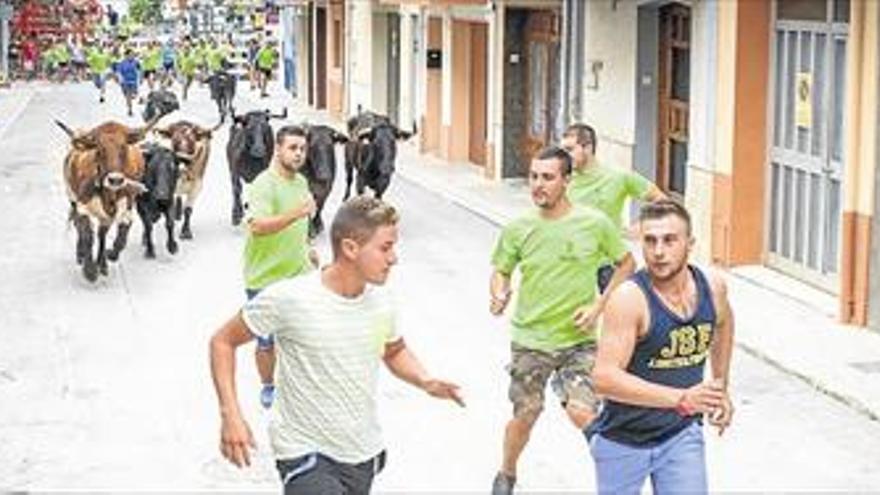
16, 111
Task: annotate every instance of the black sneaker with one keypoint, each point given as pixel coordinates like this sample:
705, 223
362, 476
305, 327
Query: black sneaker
503, 484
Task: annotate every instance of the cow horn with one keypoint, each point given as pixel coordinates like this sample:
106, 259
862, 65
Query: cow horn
139, 133
282, 115
66, 129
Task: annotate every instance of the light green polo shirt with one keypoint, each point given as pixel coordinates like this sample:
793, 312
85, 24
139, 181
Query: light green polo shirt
558, 260
607, 189
272, 257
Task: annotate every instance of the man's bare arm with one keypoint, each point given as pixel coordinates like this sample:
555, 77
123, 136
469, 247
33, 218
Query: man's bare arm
499, 292
722, 342
625, 317
235, 434
276, 223
404, 364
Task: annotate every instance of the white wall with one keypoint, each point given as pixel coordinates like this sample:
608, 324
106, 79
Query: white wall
360, 56
379, 102
611, 38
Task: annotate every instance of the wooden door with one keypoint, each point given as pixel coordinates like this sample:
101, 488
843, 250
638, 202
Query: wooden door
478, 107
321, 57
542, 59
336, 66
431, 134
674, 94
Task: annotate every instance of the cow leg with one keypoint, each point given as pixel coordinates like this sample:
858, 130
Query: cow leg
170, 242
185, 232
85, 240
360, 182
349, 172
237, 208
102, 249
120, 241
178, 207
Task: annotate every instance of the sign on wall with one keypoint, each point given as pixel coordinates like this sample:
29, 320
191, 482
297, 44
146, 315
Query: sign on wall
803, 100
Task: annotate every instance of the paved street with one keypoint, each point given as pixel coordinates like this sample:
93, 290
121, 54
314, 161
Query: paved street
107, 385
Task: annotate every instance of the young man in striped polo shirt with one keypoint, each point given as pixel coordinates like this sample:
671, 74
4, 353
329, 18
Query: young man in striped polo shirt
332, 328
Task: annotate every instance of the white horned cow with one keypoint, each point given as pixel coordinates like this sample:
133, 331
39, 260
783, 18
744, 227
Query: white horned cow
191, 145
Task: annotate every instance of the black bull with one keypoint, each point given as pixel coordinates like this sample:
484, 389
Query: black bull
160, 178
372, 153
248, 152
320, 168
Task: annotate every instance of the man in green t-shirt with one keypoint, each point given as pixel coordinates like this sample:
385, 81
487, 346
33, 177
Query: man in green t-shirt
558, 248
267, 59
99, 61
602, 187
151, 60
187, 65
279, 205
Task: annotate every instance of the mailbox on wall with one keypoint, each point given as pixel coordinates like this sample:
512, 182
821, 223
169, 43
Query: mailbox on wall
435, 58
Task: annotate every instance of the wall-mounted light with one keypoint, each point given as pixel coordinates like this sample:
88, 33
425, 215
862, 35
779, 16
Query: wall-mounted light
594, 67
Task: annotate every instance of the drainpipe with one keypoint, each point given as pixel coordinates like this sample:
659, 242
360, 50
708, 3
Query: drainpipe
849, 234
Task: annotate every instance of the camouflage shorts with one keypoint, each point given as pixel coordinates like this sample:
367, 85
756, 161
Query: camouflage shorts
570, 369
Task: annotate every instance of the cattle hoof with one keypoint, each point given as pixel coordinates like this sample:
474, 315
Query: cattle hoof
186, 234
172, 247
113, 255
103, 269
90, 272
150, 254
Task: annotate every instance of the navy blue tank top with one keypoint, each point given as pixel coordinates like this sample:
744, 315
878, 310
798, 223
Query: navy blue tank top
672, 353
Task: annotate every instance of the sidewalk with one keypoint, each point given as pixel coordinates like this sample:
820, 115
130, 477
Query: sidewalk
779, 320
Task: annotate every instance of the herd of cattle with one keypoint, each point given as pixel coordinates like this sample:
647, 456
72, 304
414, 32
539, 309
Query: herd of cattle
112, 170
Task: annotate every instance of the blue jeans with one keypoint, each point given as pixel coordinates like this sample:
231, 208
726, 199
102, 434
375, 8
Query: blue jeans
677, 465
263, 343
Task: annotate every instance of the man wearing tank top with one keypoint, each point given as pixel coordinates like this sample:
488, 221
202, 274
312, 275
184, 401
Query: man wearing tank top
660, 326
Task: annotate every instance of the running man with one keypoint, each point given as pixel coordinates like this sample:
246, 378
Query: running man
659, 327
187, 64
602, 187
152, 63
129, 73
558, 248
267, 59
277, 245
99, 61
333, 327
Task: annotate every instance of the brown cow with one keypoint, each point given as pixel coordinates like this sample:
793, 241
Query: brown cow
192, 147
102, 171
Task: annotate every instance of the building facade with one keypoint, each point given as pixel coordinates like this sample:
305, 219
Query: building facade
762, 116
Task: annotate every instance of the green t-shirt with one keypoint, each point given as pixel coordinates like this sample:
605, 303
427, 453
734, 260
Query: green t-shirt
606, 189
62, 54
99, 61
152, 59
272, 257
558, 260
215, 58
187, 62
267, 57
